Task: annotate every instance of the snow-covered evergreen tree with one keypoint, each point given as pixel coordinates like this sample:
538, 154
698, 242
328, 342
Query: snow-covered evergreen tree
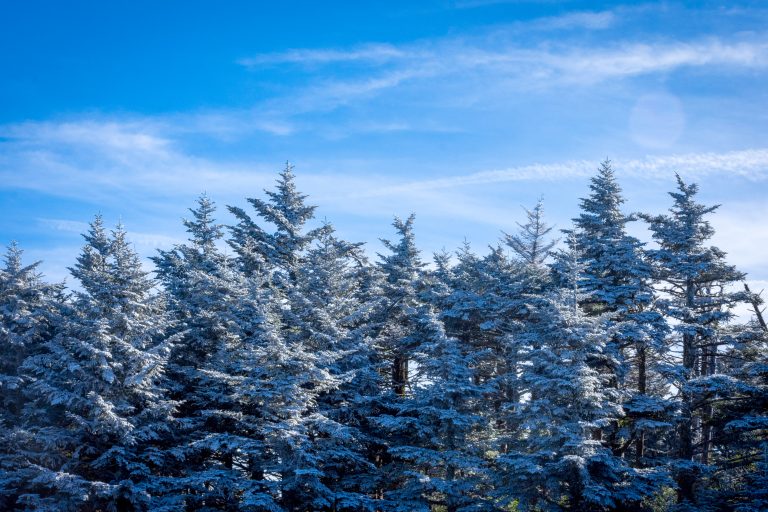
432, 424
403, 271
558, 461
28, 308
617, 279
438, 447
205, 292
329, 313
737, 422
100, 381
262, 252
696, 280
530, 244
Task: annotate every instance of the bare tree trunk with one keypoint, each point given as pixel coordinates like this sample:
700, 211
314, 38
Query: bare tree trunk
685, 478
707, 413
400, 374
756, 300
642, 389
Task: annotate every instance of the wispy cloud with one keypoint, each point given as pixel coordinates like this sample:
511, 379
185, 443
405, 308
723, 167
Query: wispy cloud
129, 161
372, 52
134, 164
145, 241
93, 160
749, 164
575, 20
67, 226
498, 60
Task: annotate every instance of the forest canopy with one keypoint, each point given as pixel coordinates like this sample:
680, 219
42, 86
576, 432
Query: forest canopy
269, 365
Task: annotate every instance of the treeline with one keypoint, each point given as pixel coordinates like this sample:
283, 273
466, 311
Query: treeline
288, 372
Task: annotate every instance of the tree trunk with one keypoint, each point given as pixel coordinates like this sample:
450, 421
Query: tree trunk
685, 478
400, 375
642, 389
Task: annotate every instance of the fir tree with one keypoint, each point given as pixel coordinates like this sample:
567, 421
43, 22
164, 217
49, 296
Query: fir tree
205, 291
100, 378
530, 243
431, 426
617, 279
329, 311
696, 279
281, 251
28, 309
558, 462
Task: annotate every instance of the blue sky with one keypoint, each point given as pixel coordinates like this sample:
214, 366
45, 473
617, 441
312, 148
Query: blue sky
460, 111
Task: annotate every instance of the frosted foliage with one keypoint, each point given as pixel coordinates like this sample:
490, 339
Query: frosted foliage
268, 365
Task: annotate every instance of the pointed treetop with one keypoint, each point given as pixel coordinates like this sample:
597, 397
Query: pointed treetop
605, 200
96, 237
530, 243
685, 222
405, 260
684, 199
203, 228
13, 258
288, 201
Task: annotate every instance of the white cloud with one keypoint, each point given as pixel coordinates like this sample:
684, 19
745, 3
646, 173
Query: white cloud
587, 65
371, 52
92, 158
750, 164
498, 56
95, 160
742, 230
67, 226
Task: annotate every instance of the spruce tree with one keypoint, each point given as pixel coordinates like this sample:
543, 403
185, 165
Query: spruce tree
28, 308
329, 311
558, 461
204, 291
696, 281
431, 424
281, 251
100, 378
617, 279
530, 243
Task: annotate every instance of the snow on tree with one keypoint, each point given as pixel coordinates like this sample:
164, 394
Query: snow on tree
296, 375
558, 460
530, 243
402, 270
286, 210
27, 311
617, 279
205, 292
100, 380
431, 423
329, 311
696, 281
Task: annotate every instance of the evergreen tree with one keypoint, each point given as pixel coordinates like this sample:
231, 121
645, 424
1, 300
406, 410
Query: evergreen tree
27, 311
558, 462
329, 313
205, 293
617, 279
403, 271
262, 252
696, 280
738, 422
431, 426
100, 379
530, 243
438, 457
